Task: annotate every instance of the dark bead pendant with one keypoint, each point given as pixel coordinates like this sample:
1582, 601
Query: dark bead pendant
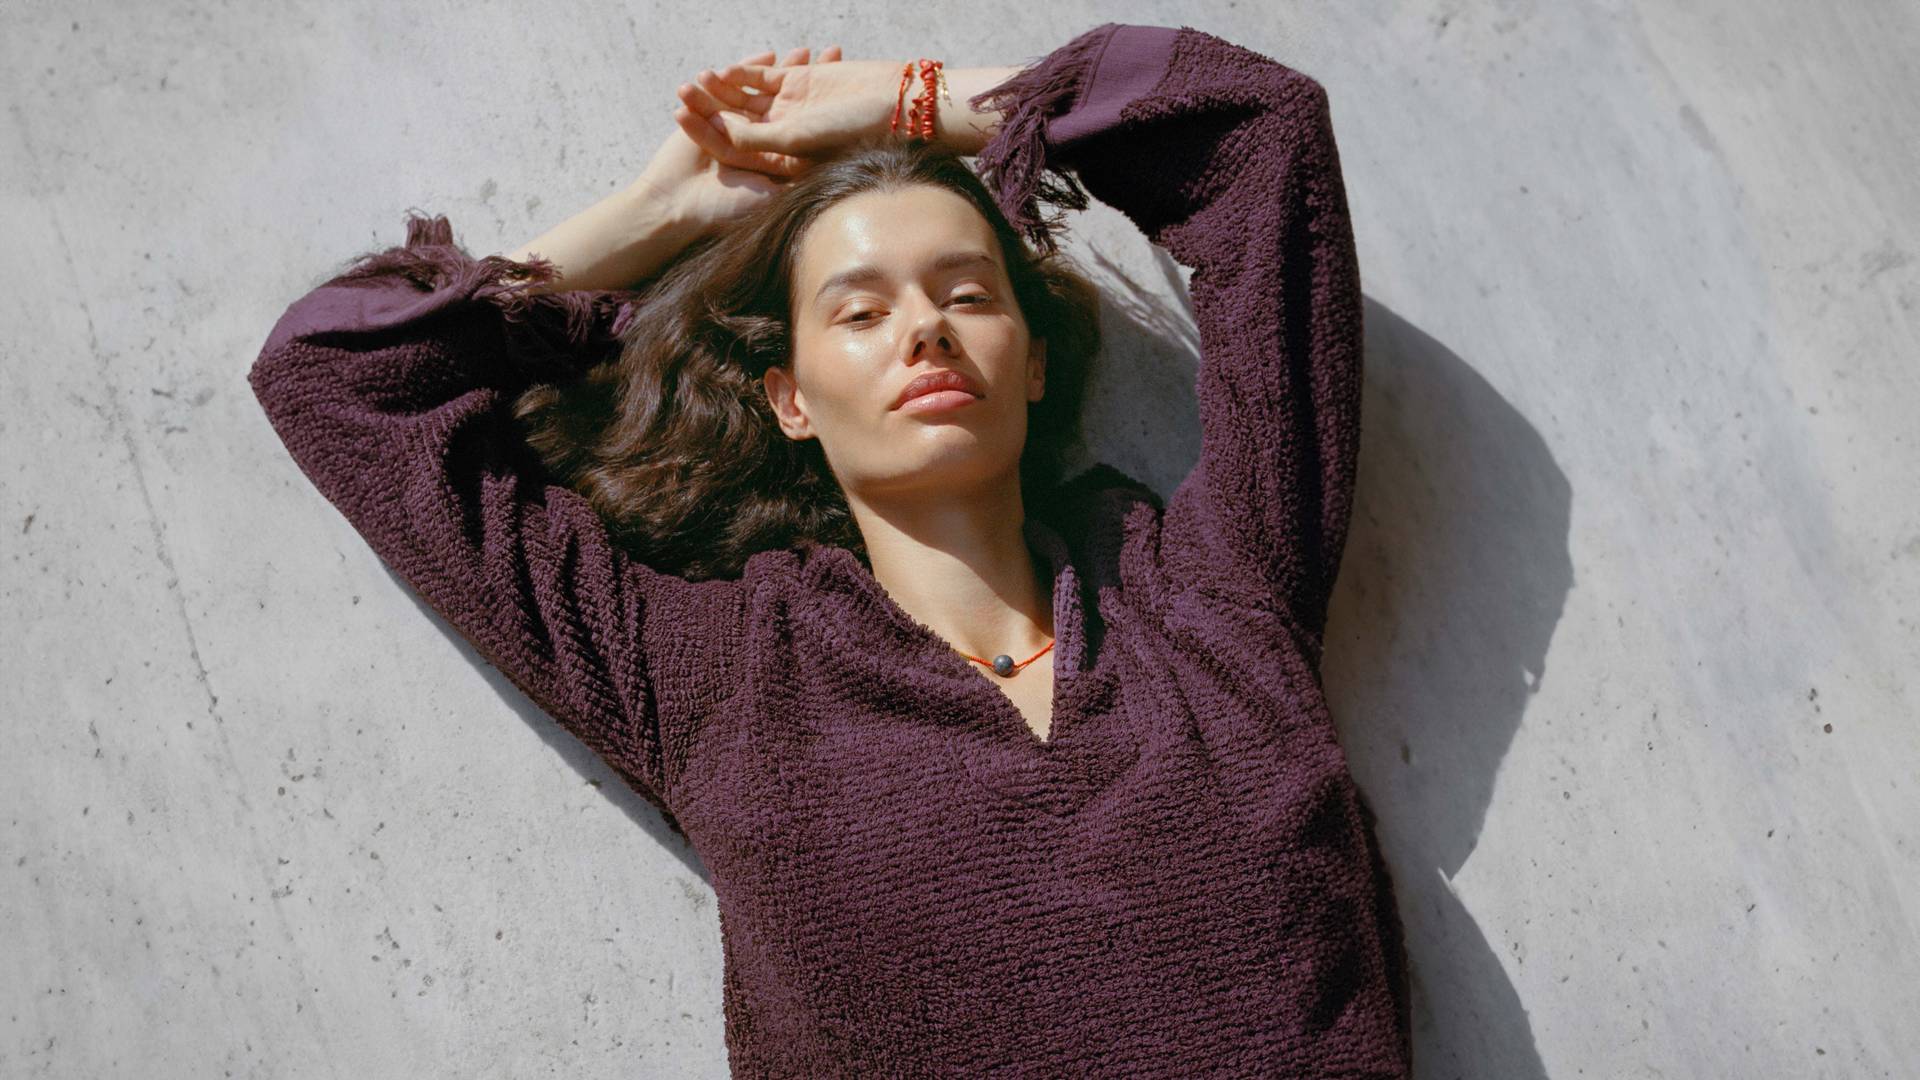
1003, 664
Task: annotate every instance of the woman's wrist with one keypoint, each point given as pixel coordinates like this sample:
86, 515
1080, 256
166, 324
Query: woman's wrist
956, 124
616, 243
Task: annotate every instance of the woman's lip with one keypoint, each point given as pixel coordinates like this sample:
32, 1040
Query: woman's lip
945, 379
938, 401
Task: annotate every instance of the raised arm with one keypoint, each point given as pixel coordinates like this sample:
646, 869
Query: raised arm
392, 386
1227, 159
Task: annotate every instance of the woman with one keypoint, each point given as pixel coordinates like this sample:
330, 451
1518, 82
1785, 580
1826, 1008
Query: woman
1131, 846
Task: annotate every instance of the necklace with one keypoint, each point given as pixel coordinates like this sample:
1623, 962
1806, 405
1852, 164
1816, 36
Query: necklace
1003, 664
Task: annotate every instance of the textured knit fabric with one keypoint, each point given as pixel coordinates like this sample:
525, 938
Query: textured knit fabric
1181, 880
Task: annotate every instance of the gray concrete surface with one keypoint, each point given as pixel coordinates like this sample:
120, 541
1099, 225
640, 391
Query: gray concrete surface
1623, 653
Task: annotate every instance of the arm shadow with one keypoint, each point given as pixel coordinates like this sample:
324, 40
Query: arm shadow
575, 753
1453, 578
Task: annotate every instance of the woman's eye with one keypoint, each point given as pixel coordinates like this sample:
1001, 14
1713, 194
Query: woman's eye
859, 317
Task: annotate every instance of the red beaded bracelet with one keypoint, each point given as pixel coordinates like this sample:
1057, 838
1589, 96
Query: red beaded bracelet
920, 116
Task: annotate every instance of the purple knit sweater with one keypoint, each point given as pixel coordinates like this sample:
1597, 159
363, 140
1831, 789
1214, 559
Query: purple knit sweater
1181, 880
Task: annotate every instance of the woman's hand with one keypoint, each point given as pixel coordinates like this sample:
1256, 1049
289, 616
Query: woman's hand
700, 191
752, 115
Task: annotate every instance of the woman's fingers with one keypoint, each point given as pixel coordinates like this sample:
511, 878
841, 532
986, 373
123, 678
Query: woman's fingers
756, 181
759, 77
700, 129
700, 96
773, 163
729, 95
696, 99
738, 131
723, 111
714, 90
708, 95
757, 140
727, 149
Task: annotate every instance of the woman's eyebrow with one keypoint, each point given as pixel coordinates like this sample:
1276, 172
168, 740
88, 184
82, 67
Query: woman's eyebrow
860, 275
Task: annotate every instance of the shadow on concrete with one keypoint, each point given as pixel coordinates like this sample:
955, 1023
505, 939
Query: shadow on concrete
1455, 575
574, 752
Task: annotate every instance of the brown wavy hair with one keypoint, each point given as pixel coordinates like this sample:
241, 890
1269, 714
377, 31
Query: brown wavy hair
674, 443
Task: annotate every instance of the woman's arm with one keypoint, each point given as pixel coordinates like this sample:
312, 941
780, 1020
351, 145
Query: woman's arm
392, 387
960, 124
622, 239
1227, 159
683, 194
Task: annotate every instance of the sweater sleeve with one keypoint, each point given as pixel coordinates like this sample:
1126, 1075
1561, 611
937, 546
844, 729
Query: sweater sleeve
391, 386
1227, 159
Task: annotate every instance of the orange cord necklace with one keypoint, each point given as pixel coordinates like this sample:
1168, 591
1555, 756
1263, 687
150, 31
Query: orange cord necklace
1003, 664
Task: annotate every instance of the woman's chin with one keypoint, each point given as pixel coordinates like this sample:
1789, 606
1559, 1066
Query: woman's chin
957, 461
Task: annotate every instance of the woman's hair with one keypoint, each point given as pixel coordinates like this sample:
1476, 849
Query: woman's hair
675, 444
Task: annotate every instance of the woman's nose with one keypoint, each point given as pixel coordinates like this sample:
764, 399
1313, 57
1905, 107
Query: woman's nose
931, 331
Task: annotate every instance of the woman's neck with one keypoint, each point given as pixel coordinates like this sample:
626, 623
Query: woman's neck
963, 568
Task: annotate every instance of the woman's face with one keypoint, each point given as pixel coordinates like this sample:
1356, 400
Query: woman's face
889, 286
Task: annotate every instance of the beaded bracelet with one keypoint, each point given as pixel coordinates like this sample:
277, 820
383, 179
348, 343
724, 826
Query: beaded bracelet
933, 77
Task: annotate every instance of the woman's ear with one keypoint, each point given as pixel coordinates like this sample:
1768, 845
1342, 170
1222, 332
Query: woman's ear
783, 397
1036, 369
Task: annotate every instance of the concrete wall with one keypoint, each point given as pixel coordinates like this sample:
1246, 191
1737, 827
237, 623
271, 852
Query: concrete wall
1623, 651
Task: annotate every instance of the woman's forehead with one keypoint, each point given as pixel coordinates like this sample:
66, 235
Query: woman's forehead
896, 232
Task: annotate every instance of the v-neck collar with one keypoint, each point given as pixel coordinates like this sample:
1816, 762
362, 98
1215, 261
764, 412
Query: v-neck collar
882, 639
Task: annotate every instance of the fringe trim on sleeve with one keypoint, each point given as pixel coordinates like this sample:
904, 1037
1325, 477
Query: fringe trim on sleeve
571, 325
1014, 162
